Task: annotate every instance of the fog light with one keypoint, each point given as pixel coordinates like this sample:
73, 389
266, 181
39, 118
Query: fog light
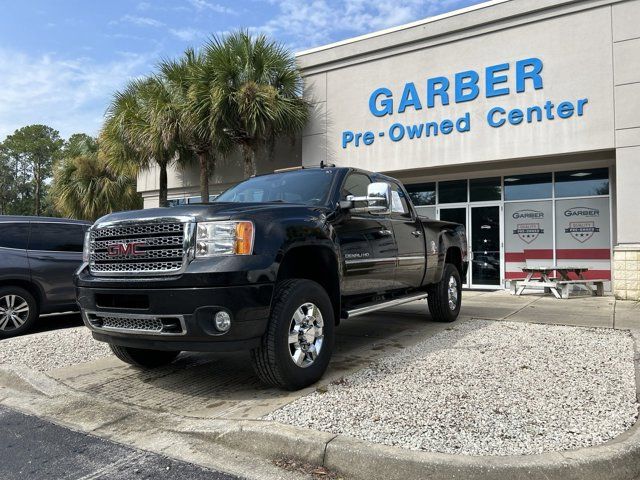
223, 321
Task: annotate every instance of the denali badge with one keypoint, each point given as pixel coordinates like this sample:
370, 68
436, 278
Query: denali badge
118, 249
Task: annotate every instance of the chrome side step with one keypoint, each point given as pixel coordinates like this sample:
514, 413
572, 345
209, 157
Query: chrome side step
379, 306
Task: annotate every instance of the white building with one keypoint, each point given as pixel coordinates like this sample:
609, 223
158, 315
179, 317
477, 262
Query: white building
518, 118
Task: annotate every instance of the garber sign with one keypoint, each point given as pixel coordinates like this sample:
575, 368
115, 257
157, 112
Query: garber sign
462, 87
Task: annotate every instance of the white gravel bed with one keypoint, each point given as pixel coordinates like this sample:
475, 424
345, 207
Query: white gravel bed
485, 388
49, 350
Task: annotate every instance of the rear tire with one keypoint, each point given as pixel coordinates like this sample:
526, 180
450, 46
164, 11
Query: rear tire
445, 297
297, 346
18, 311
143, 358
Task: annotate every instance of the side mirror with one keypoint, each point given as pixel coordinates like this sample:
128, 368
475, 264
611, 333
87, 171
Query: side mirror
378, 200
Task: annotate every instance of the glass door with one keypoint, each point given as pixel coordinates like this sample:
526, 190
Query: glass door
486, 246
458, 215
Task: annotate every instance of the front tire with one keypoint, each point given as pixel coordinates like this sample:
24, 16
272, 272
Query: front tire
297, 346
445, 297
18, 311
143, 358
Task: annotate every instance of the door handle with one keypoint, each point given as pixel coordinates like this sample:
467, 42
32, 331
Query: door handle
385, 232
416, 233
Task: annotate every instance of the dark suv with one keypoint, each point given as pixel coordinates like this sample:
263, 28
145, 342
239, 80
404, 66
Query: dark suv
38, 257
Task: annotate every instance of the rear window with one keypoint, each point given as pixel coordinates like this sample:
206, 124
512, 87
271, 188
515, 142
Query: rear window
57, 237
14, 235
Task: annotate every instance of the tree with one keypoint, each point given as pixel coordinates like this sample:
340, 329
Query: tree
79, 144
195, 135
86, 186
31, 152
249, 89
142, 127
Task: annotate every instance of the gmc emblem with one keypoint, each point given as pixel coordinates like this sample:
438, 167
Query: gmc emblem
119, 249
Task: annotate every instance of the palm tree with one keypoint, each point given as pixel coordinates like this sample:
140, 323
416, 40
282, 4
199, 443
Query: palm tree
142, 127
248, 90
85, 186
195, 135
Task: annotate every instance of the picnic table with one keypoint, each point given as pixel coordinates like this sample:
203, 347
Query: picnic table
558, 286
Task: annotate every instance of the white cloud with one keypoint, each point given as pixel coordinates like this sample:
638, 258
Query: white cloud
318, 22
215, 7
70, 95
141, 21
187, 34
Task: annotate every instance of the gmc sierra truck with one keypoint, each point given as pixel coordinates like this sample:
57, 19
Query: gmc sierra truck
272, 266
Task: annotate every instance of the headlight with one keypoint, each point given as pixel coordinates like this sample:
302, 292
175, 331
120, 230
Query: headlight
86, 247
224, 238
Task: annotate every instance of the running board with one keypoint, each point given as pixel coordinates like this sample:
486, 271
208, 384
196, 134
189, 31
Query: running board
379, 306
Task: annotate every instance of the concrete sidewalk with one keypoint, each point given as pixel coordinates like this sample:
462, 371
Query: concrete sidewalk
185, 409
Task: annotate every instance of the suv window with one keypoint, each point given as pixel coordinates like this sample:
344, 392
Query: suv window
56, 237
14, 235
355, 184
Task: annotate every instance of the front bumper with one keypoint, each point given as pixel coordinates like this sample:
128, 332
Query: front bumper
187, 312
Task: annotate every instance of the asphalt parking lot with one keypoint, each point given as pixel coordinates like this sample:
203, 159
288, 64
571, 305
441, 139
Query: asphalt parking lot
35, 449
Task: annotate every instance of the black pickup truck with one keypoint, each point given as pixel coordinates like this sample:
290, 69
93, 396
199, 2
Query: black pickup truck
271, 266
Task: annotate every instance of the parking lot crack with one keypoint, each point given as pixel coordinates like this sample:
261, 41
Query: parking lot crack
521, 308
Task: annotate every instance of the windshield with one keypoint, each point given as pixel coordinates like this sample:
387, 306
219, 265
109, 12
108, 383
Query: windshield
308, 187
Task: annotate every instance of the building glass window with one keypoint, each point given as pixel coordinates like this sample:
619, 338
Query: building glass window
582, 183
453, 191
485, 189
422, 194
528, 187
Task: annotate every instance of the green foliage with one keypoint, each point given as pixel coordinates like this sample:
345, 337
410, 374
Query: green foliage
248, 89
143, 128
86, 186
27, 159
79, 144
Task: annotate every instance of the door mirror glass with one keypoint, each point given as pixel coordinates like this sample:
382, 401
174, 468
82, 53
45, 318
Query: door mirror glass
379, 197
377, 200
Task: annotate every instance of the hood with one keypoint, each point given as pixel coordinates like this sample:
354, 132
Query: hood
211, 211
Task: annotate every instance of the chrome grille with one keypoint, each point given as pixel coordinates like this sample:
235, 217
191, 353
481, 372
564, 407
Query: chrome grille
146, 324
135, 323
146, 248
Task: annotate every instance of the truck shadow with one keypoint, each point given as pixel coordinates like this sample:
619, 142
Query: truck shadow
225, 386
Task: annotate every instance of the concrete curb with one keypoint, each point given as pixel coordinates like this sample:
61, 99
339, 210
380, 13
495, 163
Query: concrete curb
618, 459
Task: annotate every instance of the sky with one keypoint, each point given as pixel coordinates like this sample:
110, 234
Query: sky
61, 62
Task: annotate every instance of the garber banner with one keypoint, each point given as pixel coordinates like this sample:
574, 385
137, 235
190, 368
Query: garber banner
463, 87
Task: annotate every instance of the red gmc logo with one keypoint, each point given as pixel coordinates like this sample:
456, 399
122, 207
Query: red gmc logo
118, 249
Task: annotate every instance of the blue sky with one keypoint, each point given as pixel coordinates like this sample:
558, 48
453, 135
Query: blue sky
61, 61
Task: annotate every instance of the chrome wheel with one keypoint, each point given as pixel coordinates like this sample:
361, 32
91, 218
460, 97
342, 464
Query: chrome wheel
453, 293
306, 335
14, 311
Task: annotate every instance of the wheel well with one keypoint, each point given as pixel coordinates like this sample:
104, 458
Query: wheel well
314, 263
454, 257
28, 286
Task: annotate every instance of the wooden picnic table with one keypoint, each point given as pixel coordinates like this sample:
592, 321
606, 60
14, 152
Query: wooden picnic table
559, 287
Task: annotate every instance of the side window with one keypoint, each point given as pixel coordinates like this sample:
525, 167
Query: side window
14, 235
57, 237
355, 184
399, 205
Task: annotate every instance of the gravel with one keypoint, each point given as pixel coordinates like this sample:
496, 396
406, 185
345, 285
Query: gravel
49, 350
485, 388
